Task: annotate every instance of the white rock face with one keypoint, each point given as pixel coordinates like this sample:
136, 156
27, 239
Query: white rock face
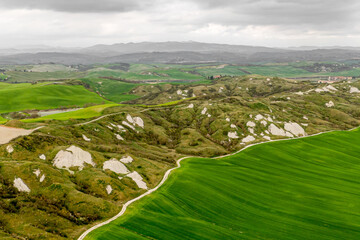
119, 137
299, 93
191, 106
86, 138
251, 130
274, 130
259, 117
109, 189
121, 128
37, 172
209, 115
248, 139
305, 124
267, 138
289, 134
20, 185
305, 117
221, 89
115, 166
130, 119
227, 119
326, 89
42, 157
250, 124
42, 178
179, 92
295, 129
128, 125
263, 122
203, 112
330, 104
110, 127
138, 121
270, 119
233, 126
354, 90
136, 177
233, 135
126, 159
72, 157
9, 149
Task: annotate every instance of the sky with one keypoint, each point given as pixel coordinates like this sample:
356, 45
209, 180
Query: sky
272, 23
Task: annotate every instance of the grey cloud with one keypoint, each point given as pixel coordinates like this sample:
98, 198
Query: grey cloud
315, 13
91, 6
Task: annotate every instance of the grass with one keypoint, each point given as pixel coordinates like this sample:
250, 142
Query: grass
17, 97
90, 112
112, 90
22, 77
298, 189
2, 120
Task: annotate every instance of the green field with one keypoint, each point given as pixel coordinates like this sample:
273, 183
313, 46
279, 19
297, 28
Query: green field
17, 97
298, 189
18, 76
90, 112
112, 90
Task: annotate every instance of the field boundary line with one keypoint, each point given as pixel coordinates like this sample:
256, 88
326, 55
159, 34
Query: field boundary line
178, 165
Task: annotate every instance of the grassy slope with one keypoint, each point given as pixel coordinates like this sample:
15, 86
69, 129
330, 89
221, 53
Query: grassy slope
41, 96
90, 112
36, 76
113, 90
305, 188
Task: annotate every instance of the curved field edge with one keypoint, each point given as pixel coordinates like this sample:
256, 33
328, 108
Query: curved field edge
304, 188
85, 113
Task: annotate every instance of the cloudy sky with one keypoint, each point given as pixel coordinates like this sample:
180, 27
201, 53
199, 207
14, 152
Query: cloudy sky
276, 23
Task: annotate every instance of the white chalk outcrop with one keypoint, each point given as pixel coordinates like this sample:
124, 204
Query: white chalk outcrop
115, 166
8, 133
42, 178
259, 117
233, 135
326, 89
295, 129
37, 172
9, 149
263, 122
354, 90
86, 138
72, 157
138, 121
128, 125
119, 137
330, 104
109, 189
42, 157
276, 131
136, 177
250, 124
203, 112
191, 106
248, 139
20, 185
233, 126
126, 159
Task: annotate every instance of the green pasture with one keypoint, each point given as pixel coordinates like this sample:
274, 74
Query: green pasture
296, 189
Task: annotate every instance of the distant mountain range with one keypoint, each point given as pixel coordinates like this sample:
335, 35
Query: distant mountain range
174, 52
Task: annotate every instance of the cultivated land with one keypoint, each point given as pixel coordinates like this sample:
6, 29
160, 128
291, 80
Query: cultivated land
49, 192
304, 188
44, 96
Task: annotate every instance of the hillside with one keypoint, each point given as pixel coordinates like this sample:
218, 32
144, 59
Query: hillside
54, 193
300, 188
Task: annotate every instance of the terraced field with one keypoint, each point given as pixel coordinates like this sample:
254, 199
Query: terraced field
305, 188
17, 97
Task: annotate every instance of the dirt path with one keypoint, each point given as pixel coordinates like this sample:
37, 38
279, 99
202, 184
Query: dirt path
9, 133
178, 165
